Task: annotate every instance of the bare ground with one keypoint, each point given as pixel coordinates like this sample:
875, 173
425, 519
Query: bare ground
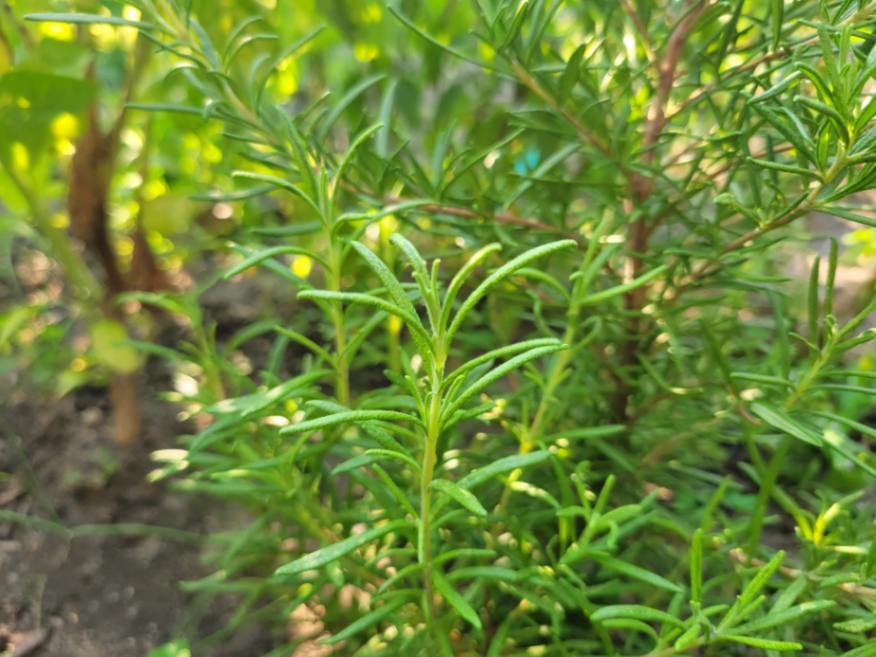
99, 595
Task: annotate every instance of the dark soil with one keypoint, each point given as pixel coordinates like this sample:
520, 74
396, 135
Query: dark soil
103, 595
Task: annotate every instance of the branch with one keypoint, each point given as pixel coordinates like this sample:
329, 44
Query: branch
738, 555
22, 31
641, 28
501, 217
702, 92
674, 49
641, 188
781, 53
805, 206
7, 45
535, 87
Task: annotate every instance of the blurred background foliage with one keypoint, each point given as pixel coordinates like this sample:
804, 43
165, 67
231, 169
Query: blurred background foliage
53, 72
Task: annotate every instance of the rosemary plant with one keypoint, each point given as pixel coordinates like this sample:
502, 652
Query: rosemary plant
612, 420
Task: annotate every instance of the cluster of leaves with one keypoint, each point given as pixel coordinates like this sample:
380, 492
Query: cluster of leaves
600, 406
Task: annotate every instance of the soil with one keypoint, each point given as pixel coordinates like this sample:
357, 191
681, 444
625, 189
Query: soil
100, 596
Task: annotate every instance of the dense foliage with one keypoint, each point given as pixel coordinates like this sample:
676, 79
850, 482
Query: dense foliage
547, 377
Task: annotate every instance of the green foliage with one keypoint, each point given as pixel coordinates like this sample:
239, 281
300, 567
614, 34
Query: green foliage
173, 649
552, 386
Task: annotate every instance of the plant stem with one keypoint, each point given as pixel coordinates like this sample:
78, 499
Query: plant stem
430, 456
771, 473
668, 651
707, 268
558, 369
557, 372
209, 363
342, 369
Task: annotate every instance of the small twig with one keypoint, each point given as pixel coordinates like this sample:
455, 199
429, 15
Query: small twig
781, 53
799, 210
94, 530
674, 48
501, 217
738, 555
641, 28
641, 188
711, 267
711, 175
702, 92
535, 87
22, 31
142, 54
7, 44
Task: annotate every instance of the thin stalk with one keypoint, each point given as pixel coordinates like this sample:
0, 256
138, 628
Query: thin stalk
7, 46
584, 134
559, 363
558, 370
310, 517
212, 370
342, 368
771, 473
798, 211
430, 456
533, 432
393, 344
668, 651
393, 324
